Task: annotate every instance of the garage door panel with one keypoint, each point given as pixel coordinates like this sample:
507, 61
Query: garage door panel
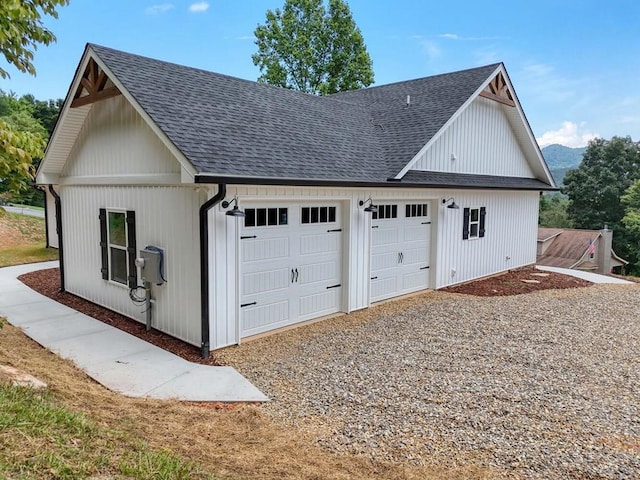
415, 256
416, 280
311, 244
266, 281
259, 318
318, 304
325, 272
261, 249
416, 233
286, 268
382, 261
382, 287
385, 236
400, 251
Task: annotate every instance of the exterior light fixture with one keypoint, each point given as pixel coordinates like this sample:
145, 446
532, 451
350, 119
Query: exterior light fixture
453, 203
371, 208
235, 212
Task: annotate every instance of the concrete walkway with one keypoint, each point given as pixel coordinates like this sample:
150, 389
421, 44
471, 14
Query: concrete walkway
32, 212
119, 361
591, 277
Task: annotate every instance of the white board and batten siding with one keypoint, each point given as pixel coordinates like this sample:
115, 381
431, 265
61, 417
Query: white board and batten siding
511, 225
166, 217
479, 141
113, 144
115, 141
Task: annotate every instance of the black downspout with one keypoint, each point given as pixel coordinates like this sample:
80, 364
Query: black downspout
46, 217
59, 232
204, 267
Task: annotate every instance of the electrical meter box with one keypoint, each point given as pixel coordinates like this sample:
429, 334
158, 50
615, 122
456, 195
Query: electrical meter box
152, 268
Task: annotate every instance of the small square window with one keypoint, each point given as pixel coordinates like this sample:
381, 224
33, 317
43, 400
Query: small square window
283, 216
261, 217
250, 217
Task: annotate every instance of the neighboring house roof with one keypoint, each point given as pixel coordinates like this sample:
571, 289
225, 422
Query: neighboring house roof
545, 234
568, 247
229, 128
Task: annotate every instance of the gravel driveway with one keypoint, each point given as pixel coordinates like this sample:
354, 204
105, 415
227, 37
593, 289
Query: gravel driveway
543, 385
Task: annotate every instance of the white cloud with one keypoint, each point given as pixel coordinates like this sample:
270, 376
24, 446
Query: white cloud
158, 9
199, 7
569, 134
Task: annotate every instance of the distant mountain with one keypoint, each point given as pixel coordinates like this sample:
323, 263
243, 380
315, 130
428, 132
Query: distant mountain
560, 159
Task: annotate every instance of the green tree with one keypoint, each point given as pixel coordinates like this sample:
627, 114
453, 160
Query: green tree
310, 48
596, 187
21, 31
553, 211
631, 221
45, 111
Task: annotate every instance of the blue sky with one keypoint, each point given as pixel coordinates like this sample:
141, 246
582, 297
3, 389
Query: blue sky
575, 64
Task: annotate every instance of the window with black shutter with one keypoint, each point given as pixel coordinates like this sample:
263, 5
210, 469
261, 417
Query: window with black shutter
473, 223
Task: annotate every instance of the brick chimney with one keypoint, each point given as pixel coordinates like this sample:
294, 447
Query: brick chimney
604, 250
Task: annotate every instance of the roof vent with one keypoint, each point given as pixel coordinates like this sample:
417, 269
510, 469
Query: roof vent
408, 100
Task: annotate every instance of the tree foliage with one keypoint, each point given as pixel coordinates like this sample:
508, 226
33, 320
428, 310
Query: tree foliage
23, 135
553, 211
631, 221
595, 189
22, 29
310, 48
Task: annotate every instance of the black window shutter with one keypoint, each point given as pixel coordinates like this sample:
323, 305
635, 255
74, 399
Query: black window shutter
104, 245
131, 248
483, 212
465, 225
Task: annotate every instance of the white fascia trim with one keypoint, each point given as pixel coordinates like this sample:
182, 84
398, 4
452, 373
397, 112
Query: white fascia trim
525, 123
186, 164
448, 123
66, 105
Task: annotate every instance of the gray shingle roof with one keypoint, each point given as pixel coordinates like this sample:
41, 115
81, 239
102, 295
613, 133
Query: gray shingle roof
227, 126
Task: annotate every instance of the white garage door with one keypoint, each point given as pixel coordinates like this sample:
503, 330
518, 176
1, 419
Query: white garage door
291, 264
400, 249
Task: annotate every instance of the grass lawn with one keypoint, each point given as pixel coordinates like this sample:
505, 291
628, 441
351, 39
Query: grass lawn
41, 438
22, 240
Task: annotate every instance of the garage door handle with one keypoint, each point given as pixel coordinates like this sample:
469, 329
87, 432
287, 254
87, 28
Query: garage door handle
424, 268
297, 275
426, 223
374, 226
293, 275
334, 230
334, 286
248, 304
248, 236
374, 278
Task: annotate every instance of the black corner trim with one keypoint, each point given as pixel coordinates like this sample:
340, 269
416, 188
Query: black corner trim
131, 249
465, 224
104, 245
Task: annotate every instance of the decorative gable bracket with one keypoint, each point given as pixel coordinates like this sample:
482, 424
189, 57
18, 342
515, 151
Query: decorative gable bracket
498, 90
94, 86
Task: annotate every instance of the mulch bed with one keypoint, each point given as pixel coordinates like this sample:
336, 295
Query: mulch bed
512, 283
47, 283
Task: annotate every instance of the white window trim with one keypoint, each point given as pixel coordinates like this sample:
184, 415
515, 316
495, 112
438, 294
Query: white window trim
477, 222
119, 247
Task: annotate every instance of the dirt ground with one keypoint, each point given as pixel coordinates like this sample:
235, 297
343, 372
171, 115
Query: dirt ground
19, 229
